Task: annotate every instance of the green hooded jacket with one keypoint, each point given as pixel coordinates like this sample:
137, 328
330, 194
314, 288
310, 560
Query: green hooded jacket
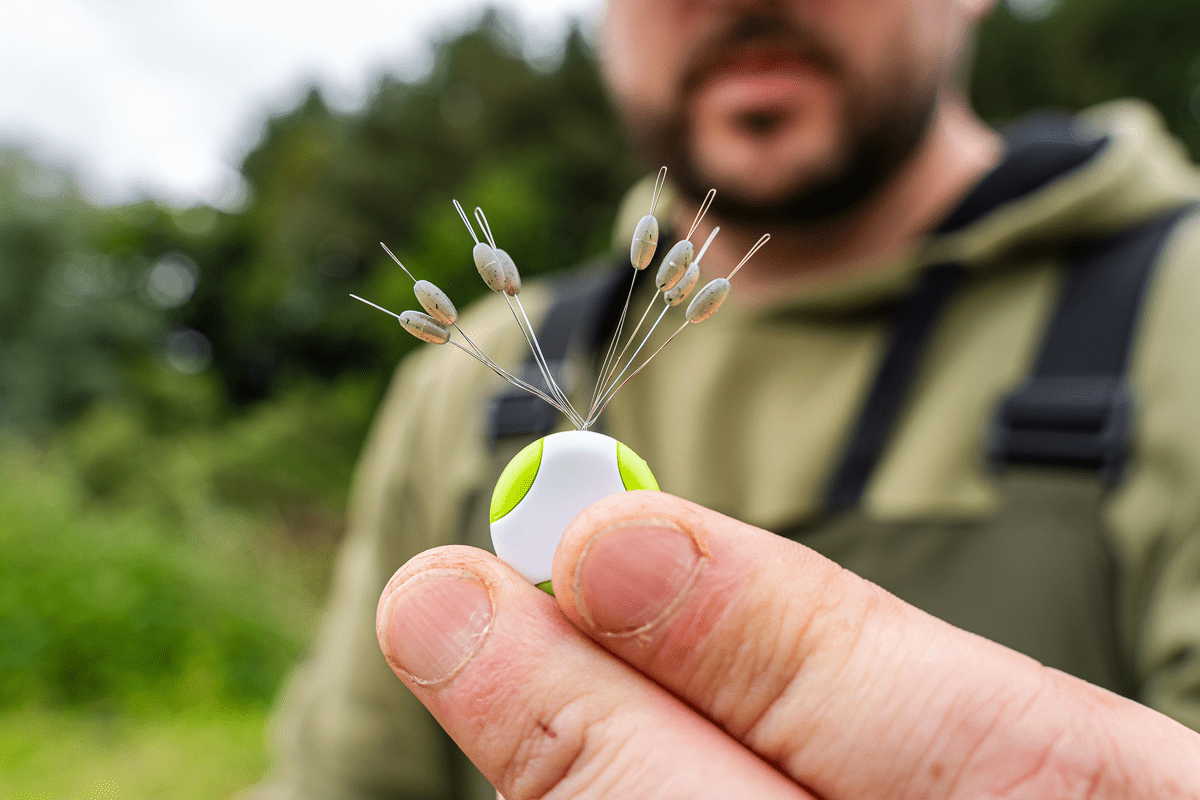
749, 413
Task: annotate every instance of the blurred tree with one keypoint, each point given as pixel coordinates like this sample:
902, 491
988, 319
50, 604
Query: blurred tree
540, 151
88, 298
1071, 54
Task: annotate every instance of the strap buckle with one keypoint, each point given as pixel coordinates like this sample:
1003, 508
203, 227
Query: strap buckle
1065, 421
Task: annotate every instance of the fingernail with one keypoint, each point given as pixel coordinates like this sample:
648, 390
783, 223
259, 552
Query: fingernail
435, 623
633, 575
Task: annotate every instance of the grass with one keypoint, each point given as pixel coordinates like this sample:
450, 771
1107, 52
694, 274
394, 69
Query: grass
197, 755
146, 624
122, 609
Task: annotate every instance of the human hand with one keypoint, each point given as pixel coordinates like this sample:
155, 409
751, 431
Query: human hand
689, 655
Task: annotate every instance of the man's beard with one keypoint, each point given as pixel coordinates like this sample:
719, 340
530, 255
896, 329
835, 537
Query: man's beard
879, 130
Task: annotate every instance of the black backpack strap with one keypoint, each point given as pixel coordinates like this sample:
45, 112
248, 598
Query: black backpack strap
577, 318
912, 325
1075, 408
1038, 150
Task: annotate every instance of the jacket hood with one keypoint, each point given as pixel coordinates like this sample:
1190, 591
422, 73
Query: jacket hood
1063, 179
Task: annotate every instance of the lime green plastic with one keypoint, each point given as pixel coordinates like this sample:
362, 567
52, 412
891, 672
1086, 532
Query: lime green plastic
516, 479
635, 473
546, 587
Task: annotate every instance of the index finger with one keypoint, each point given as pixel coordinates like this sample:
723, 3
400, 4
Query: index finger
853, 692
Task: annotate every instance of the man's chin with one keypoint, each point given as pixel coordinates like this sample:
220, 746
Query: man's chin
767, 187
796, 205
750, 191
759, 182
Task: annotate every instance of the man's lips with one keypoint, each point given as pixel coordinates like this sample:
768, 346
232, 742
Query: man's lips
747, 90
758, 79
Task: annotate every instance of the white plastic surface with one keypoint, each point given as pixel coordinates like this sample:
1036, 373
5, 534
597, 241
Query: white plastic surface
577, 469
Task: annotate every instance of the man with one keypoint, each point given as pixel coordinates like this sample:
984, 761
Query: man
845, 397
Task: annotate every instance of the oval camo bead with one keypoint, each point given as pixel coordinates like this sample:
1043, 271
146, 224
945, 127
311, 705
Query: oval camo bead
707, 300
645, 242
424, 327
676, 262
489, 266
435, 302
681, 290
512, 278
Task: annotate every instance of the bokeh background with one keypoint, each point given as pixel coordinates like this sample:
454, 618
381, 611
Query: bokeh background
185, 385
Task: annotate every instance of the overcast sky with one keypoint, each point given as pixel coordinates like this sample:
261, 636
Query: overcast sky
162, 97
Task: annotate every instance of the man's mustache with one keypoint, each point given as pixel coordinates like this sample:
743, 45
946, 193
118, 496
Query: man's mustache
777, 35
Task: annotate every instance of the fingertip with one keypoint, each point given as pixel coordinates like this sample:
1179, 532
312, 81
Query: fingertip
434, 623
436, 610
453, 556
622, 508
627, 561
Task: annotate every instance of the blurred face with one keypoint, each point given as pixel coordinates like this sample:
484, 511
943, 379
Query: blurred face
795, 110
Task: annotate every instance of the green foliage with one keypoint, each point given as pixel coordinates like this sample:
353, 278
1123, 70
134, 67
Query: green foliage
121, 608
294, 452
290, 454
1084, 52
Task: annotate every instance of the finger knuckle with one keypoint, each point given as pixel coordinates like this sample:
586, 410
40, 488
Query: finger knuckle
555, 749
797, 642
1035, 746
